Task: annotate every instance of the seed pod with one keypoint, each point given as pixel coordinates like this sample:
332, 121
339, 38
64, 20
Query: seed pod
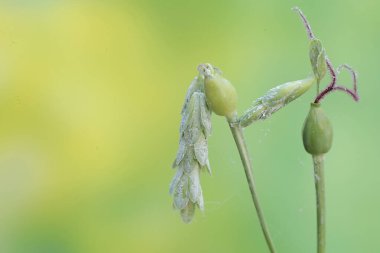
220, 93
317, 132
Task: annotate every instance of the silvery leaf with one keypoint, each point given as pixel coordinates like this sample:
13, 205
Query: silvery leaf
187, 114
175, 180
191, 118
192, 88
205, 116
201, 151
208, 167
189, 163
200, 201
180, 154
195, 186
181, 197
195, 114
187, 213
191, 135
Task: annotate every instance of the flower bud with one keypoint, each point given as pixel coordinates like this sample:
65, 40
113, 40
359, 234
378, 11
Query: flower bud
317, 131
220, 94
276, 98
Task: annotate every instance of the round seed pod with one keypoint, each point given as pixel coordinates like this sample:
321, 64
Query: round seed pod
221, 95
317, 131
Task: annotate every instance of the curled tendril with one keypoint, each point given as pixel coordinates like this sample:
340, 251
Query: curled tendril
333, 73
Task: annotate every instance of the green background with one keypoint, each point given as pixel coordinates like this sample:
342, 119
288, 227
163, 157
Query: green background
90, 99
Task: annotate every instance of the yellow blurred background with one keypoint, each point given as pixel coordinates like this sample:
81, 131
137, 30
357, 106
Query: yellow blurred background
90, 95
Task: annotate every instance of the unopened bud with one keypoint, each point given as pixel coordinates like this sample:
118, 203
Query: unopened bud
276, 98
317, 131
220, 93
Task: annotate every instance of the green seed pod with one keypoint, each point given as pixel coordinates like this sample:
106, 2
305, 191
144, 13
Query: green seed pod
220, 94
317, 132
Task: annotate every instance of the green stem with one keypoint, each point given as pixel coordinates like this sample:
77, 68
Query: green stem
317, 87
321, 211
237, 133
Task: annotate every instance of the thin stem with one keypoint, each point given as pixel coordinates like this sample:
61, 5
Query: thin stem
354, 75
309, 31
237, 133
347, 91
321, 211
330, 87
331, 70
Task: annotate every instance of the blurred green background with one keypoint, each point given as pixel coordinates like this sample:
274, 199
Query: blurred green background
90, 96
